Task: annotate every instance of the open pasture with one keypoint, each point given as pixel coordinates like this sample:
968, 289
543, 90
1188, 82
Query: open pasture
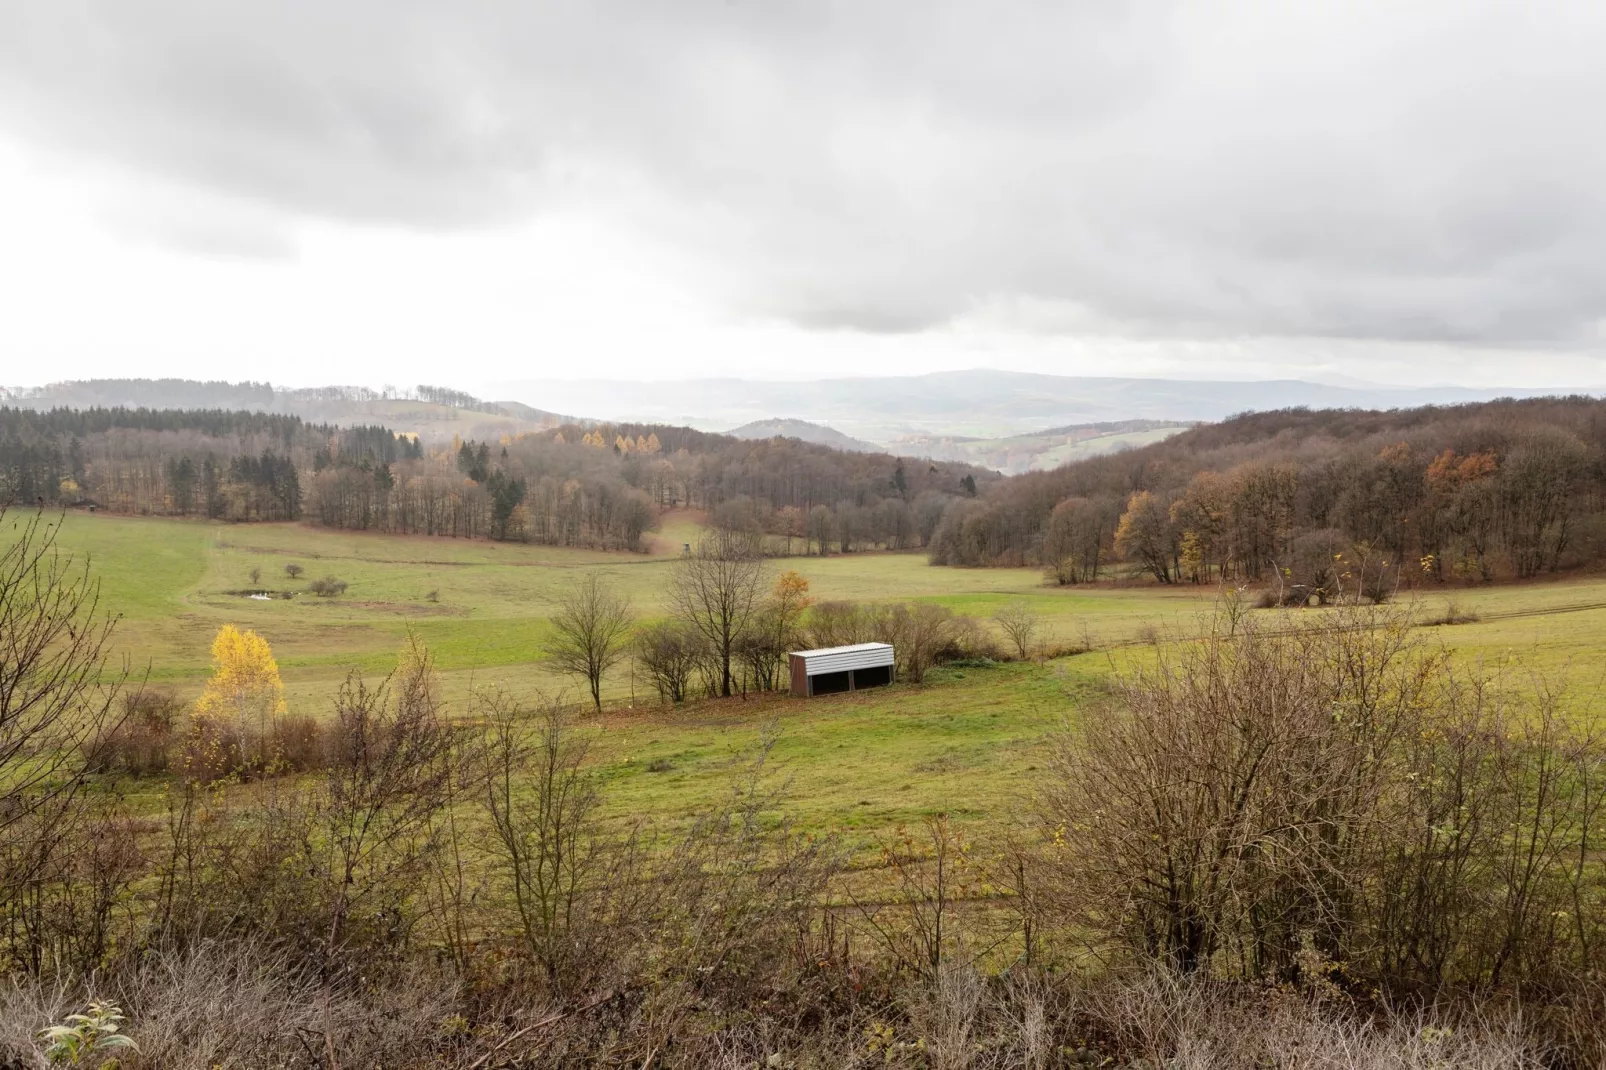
965, 742
482, 607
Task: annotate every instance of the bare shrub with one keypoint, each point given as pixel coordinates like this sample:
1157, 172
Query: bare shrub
1020, 623
327, 587
239, 1005
837, 623
297, 744
331, 870
146, 736
1064, 649
214, 748
917, 925
79, 865
920, 633
946, 1014
391, 763
294, 571
968, 640
1454, 613
573, 887
670, 652
1157, 1020
1268, 804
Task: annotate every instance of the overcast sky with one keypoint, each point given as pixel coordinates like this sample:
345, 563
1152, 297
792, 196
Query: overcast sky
371, 191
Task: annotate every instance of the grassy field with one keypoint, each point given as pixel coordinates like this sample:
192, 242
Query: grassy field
965, 742
482, 607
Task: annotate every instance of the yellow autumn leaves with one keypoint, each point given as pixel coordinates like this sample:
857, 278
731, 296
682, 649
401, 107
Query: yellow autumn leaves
623, 443
239, 724
235, 715
245, 681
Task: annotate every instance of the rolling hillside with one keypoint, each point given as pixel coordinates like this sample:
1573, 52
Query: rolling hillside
432, 413
819, 434
977, 403
1042, 450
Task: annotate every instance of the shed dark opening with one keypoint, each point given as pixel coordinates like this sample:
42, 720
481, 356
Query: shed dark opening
874, 676
829, 683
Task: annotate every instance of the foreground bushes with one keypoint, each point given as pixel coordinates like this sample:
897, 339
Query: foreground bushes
1281, 804
241, 1007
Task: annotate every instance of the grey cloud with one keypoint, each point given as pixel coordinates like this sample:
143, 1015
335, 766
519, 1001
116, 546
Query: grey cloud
1327, 168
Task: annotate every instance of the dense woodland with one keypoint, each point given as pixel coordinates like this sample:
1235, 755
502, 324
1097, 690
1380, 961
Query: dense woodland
578, 485
1315, 501
604, 485
213, 463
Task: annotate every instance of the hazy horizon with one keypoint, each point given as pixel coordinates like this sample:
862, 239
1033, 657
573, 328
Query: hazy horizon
497, 390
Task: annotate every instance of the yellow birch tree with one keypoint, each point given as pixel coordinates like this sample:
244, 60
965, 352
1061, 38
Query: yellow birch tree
245, 691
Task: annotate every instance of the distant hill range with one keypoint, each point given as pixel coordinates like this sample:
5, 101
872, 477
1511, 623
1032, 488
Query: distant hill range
431, 412
974, 404
819, 434
991, 419
1040, 450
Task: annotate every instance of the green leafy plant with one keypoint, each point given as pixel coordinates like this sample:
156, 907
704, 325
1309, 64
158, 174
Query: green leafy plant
84, 1038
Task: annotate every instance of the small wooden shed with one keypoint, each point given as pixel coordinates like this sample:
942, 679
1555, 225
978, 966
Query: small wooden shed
835, 669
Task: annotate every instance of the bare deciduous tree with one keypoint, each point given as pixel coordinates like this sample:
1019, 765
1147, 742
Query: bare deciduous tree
591, 630
575, 888
387, 782
56, 697
56, 711
1019, 623
719, 590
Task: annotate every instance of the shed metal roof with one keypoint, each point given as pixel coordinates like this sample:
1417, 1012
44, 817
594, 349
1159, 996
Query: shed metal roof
842, 658
842, 649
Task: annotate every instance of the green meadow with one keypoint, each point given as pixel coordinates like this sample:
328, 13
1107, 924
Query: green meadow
965, 742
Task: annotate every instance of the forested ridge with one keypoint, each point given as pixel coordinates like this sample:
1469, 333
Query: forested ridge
604, 485
1314, 500
206, 462
575, 485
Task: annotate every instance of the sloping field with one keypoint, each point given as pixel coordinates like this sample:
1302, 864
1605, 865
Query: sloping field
864, 762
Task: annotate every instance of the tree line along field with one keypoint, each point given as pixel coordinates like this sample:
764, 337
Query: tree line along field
867, 763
